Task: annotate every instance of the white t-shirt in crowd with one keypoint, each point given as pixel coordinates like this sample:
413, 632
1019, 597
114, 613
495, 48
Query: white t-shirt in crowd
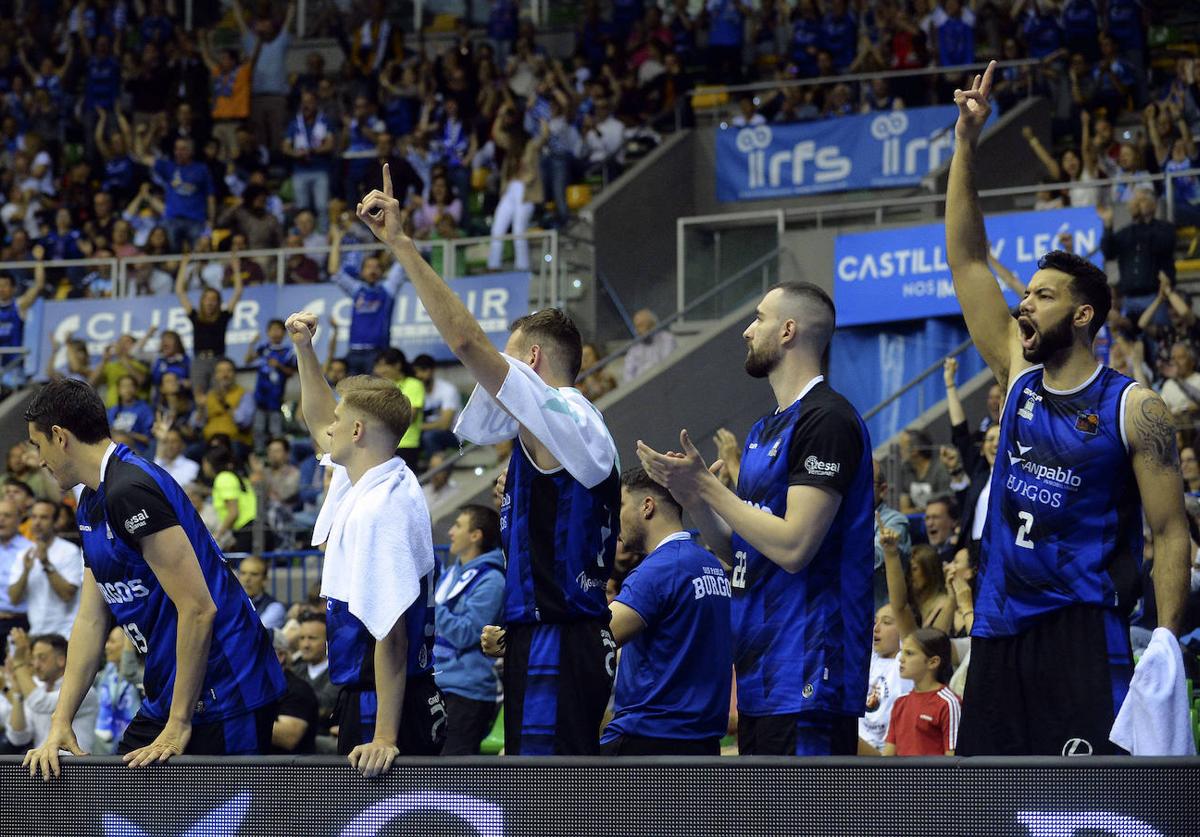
183, 470
883, 687
48, 614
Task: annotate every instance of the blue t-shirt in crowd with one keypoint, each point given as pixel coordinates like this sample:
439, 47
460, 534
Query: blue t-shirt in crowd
1125, 23
137, 417
674, 678
726, 23
136, 499
1079, 19
12, 326
1042, 34
371, 318
806, 33
1187, 190
119, 175
841, 35
187, 188
102, 83
956, 42
180, 365
270, 382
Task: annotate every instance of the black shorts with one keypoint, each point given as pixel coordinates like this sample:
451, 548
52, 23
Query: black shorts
468, 722
422, 718
1053, 690
241, 735
557, 680
641, 745
798, 734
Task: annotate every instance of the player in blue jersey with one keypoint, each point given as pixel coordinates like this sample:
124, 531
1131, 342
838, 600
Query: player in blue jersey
671, 619
378, 573
1083, 451
559, 516
798, 535
152, 568
374, 298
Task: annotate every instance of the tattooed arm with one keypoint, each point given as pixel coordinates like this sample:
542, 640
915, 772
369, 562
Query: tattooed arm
1151, 433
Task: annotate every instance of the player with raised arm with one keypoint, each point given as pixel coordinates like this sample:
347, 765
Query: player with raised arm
1083, 450
378, 573
212, 678
559, 515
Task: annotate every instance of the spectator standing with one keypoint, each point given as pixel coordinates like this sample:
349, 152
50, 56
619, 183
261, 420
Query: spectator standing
210, 324
310, 142
294, 732
248, 215
671, 620
38, 666
269, 81
13, 548
726, 35
647, 351
469, 597
520, 189
13, 309
925, 721
955, 28
117, 695
47, 578
374, 300
191, 195
275, 362
230, 90
798, 536
887, 518
131, 419
1142, 249
884, 685
442, 404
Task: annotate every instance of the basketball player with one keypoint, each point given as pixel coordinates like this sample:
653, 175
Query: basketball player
212, 677
1083, 451
560, 511
799, 535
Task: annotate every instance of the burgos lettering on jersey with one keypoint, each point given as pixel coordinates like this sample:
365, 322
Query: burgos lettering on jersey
117, 592
821, 469
712, 583
1048, 477
137, 521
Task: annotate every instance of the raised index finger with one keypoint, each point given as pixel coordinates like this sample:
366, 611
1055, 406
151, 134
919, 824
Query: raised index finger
986, 86
387, 180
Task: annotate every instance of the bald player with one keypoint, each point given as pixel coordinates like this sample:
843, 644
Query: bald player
798, 534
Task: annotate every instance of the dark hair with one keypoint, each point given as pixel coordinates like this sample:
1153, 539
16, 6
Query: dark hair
287, 446
277, 322
395, 357
487, 521
919, 440
946, 499
55, 641
423, 361
554, 326
311, 616
812, 295
637, 481
43, 501
21, 485
1089, 284
927, 558
935, 643
73, 406
221, 459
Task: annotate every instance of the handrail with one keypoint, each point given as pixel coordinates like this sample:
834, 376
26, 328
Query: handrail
918, 379
663, 324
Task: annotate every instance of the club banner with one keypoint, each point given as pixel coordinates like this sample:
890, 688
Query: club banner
869, 151
495, 299
901, 274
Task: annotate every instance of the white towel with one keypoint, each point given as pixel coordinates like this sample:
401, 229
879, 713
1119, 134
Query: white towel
563, 420
1155, 719
378, 542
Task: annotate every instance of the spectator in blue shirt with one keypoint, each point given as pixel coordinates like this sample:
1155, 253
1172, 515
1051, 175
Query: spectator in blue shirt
502, 28
955, 34
191, 197
309, 142
469, 597
374, 299
1113, 79
1125, 22
156, 26
671, 618
726, 33
806, 38
101, 85
171, 358
839, 31
131, 418
1043, 35
275, 361
1081, 24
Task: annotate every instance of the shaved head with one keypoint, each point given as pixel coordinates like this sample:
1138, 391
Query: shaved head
810, 307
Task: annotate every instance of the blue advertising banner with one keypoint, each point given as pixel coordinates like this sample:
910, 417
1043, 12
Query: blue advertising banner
868, 151
901, 274
495, 300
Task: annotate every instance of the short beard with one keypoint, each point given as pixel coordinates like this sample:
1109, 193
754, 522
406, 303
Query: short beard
761, 364
1057, 338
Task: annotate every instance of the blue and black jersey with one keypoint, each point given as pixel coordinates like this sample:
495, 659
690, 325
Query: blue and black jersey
1064, 522
802, 641
352, 648
560, 539
136, 499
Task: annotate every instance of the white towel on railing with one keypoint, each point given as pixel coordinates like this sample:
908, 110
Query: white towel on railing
1155, 719
378, 542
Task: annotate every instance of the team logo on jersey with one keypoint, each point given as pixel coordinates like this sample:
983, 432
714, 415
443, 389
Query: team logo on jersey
1087, 422
1031, 401
821, 469
137, 521
775, 447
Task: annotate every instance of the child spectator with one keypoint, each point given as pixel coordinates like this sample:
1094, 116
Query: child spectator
925, 721
276, 362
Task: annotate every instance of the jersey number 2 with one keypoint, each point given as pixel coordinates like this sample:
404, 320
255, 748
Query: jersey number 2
1024, 529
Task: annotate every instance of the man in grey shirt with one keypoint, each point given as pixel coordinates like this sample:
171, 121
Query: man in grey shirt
269, 84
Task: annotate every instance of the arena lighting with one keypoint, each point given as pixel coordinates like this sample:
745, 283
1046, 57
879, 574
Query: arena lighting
581, 797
